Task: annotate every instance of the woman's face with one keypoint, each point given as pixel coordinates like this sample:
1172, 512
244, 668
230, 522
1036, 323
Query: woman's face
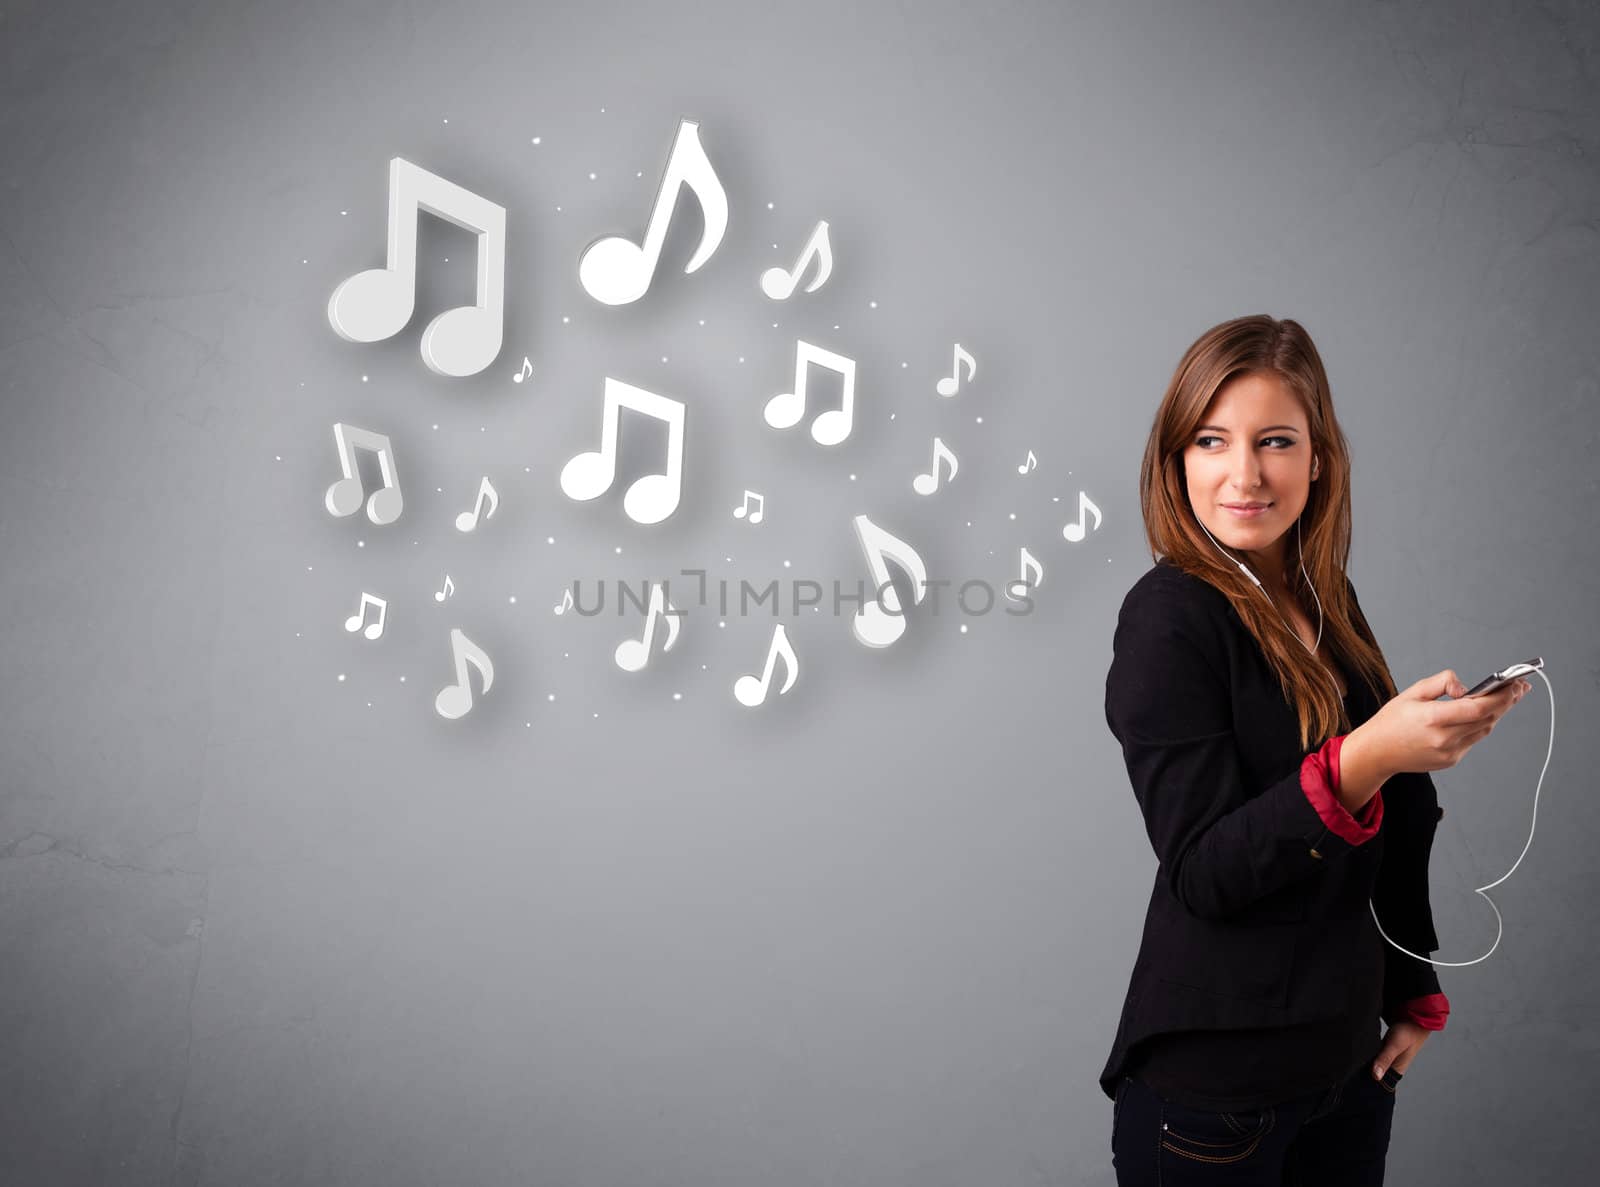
1253, 445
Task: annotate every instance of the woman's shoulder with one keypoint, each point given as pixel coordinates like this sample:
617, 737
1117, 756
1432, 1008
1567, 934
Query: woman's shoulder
1165, 585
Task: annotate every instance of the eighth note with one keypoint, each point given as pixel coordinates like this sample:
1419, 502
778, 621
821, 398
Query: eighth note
1018, 589
449, 588
880, 622
751, 691
1028, 464
527, 370
1074, 531
779, 285
615, 270
468, 520
926, 484
374, 629
743, 509
633, 654
566, 602
454, 700
951, 384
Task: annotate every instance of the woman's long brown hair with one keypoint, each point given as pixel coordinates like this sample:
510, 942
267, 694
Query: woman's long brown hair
1281, 347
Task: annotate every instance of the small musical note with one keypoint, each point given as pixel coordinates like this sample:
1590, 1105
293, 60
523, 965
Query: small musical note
565, 603
449, 588
784, 410
374, 629
455, 699
951, 384
1028, 464
751, 691
879, 623
1074, 531
633, 654
779, 285
377, 303
649, 499
468, 520
1019, 588
926, 484
344, 496
527, 370
743, 509
614, 270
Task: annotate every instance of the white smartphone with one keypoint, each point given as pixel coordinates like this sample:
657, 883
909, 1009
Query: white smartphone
1500, 679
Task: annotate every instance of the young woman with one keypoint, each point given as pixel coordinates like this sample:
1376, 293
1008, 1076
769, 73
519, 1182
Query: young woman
1284, 786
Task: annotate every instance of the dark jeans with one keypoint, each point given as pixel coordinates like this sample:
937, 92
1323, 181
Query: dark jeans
1335, 1135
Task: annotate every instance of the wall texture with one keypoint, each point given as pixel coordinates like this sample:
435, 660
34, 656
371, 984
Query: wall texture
266, 917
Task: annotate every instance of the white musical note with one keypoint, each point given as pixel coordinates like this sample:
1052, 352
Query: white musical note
879, 622
951, 384
344, 496
649, 499
468, 520
926, 484
449, 588
633, 654
455, 699
527, 370
779, 285
377, 303
1074, 531
784, 410
751, 691
614, 270
743, 509
1019, 588
1028, 463
374, 629
565, 603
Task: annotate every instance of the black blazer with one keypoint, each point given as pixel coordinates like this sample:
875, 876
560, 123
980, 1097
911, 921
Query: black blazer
1246, 926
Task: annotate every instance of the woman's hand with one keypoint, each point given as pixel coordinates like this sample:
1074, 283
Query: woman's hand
1418, 732
1401, 1043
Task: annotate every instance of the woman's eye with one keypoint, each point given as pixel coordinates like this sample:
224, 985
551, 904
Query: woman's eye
1288, 442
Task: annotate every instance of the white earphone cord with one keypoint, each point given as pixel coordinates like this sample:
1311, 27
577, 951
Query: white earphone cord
1532, 823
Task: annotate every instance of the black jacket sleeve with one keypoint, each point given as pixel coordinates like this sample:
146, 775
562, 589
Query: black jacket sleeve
1220, 844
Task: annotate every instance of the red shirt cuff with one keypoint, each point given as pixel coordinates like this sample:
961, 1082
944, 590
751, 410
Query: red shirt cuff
1319, 779
1428, 1012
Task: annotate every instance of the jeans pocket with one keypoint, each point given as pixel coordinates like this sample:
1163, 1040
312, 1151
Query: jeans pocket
1391, 1080
1206, 1135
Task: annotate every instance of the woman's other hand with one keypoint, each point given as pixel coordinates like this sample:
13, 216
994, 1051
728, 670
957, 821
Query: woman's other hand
1401, 1042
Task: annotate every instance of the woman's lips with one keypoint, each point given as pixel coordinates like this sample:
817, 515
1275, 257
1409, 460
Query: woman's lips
1247, 512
